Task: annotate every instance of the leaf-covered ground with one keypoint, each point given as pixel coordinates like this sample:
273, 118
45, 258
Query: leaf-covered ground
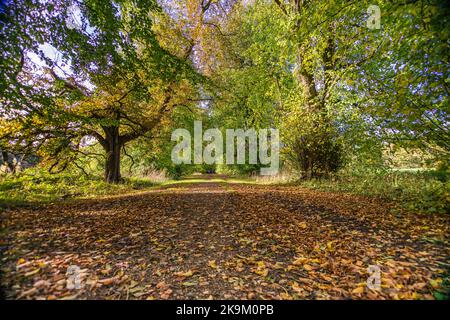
216, 240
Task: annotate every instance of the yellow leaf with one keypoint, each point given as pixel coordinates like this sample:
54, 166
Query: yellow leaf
358, 290
212, 264
299, 261
285, 296
296, 287
188, 273
330, 246
32, 273
436, 283
307, 267
262, 272
189, 284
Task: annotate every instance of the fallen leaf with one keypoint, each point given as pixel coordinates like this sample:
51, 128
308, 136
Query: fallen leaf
307, 267
358, 290
166, 294
188, 273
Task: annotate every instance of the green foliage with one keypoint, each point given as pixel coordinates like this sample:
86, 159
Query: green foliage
37, 185
238, 169
338, 90
344, 96
110, 80
443, 293
415, 190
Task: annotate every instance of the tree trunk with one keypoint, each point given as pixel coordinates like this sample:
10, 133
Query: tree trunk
112, 148
9, 164
309, 169
315, 148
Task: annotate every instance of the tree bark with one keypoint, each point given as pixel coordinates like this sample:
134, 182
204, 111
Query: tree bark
112, 148
9, 164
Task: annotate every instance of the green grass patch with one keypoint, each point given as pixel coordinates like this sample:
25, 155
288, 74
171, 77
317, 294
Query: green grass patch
38, 186
425, 191
205, 180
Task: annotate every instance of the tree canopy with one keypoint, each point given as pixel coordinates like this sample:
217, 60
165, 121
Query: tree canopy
338, 85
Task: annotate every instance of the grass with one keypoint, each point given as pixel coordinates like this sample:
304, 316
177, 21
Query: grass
188, 180
38, 186
424, 191
416, 190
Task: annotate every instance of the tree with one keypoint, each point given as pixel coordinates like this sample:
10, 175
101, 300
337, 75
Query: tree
109, 80
109, 72
405, 89
328, 81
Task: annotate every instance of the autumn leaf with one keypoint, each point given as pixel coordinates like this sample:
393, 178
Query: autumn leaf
245, 267
299, 261
166, 294
189, 284
32, 273
307, 267
108, 281
261, 269
303, 225
436, 283
188, 273
285, 296
295, 286
358, 290
330, 246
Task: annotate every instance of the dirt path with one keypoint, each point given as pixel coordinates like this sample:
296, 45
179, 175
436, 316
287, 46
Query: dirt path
216, 240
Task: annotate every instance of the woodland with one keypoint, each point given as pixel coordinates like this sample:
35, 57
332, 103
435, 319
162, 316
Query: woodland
91, 92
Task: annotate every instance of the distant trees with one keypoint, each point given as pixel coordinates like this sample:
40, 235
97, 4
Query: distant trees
332, 83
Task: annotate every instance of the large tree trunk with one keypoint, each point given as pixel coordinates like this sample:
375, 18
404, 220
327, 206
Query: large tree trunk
112, 148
